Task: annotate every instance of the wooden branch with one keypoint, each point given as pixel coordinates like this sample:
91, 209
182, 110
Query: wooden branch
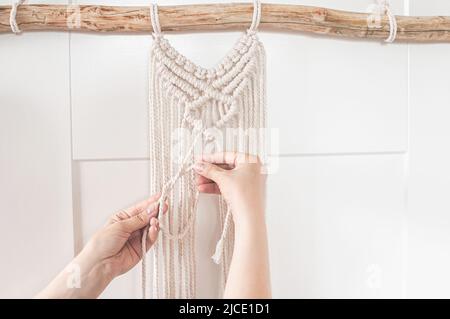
236, 16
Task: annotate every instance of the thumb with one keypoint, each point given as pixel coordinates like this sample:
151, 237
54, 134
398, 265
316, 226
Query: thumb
210, 171
135, 223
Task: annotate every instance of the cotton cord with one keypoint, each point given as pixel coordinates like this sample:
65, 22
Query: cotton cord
154, 18
12, 16
392, 24
256, 15
200, 101
217, 257
383, 7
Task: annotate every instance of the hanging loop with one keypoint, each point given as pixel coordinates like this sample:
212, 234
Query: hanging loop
378, 9
12, 16
154, 18
256, 15
392, 23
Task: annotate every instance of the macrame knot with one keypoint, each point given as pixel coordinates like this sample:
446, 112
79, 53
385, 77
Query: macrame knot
201, 74
189, 67
209, 137
210, 74
198, 125
180, 60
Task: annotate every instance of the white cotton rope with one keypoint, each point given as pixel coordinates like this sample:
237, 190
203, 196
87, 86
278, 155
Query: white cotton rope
201, 101
12, 16
218, 253
392, 24
154, 19
383, 7
256, 16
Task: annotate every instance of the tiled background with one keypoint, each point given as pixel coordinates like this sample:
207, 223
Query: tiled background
358, 208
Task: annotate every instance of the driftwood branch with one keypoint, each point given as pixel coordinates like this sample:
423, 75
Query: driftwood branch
235, 16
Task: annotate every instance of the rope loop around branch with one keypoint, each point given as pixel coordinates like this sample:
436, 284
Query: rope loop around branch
12, 16
378, 9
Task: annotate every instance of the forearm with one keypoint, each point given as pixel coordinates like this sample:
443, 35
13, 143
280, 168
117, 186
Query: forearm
249, 275
84, 277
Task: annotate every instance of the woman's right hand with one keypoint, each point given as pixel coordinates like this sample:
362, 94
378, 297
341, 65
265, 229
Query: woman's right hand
239, 178
241, 181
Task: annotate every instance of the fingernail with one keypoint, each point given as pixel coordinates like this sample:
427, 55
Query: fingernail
153, 221
199, 166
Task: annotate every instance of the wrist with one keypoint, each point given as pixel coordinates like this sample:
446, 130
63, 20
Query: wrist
94, 274
92, 263
84, 277
248, 212
91, 257
246, 221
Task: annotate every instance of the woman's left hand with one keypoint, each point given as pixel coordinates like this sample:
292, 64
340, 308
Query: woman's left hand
112, 251
118, 244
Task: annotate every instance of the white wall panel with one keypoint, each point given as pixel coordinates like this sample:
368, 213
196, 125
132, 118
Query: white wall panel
35, 161
335, 227
429, 207
340, 95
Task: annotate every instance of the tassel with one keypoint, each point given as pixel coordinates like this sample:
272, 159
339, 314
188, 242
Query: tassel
217, 257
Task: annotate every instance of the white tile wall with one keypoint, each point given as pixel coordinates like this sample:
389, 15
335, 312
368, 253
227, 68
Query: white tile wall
334, 226
35, 161
429, 180
357, 209
341, 95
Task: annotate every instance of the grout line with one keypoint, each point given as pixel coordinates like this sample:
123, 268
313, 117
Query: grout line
336, 154
113, 159
285, 155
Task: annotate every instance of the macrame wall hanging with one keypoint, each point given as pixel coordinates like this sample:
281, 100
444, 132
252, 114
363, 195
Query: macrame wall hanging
186, 97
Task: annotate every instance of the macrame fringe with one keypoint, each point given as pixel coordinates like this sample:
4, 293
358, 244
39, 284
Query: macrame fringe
200, 101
